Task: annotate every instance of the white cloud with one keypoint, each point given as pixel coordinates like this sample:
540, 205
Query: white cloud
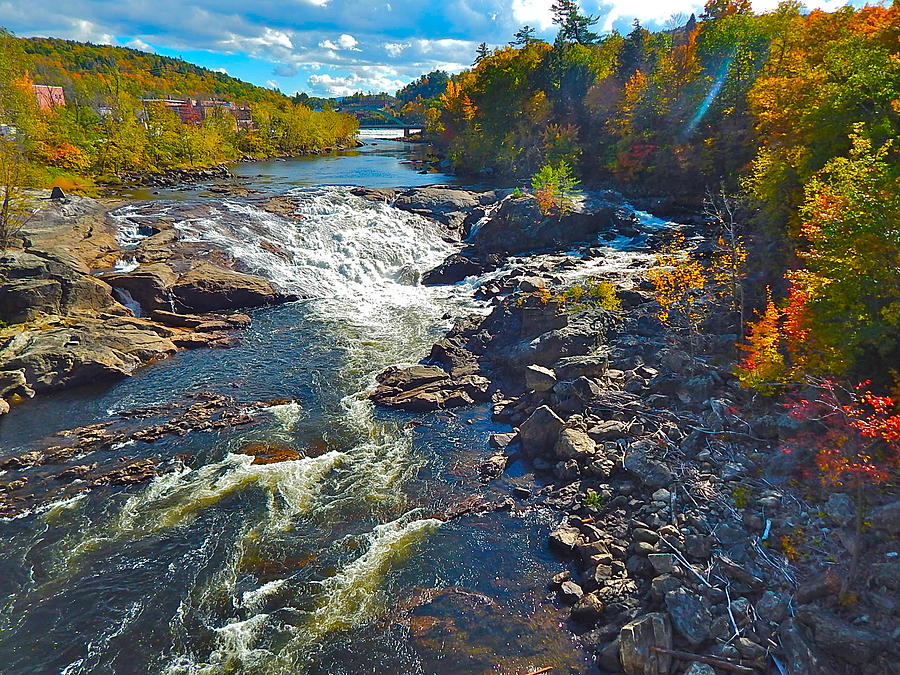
535, 13
140, 45
272, 84
394, 49
268, 38
368, 79
220, 70
344, 43
86, 31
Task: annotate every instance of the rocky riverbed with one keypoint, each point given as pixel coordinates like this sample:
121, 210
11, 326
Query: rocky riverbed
670, 500
674, 505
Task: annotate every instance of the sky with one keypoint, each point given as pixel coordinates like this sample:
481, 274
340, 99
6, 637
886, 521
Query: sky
324, 47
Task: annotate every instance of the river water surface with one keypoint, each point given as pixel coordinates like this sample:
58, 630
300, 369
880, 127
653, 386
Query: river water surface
332, 563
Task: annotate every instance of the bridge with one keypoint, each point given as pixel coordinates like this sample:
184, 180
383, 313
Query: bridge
407, 128
383, 119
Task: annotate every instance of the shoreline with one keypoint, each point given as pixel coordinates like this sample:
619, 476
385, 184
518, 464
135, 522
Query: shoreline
636, 443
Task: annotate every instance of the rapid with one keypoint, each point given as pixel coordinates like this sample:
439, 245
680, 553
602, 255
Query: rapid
336, 562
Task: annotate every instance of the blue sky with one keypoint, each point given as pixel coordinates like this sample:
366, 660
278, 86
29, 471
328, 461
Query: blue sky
323, 47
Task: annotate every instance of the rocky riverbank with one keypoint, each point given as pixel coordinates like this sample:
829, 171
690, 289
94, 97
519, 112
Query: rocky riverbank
675, 509
69, 318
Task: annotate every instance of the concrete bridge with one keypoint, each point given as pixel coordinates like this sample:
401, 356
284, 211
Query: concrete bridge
407, 129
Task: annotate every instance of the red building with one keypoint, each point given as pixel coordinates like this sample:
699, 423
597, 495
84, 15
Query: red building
48, 96
194, 111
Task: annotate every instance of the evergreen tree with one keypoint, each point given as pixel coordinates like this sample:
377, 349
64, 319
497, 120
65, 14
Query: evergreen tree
481, 53
573, 25
631, 57
523, 36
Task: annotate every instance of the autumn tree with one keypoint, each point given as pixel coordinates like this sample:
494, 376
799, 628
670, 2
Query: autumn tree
718, 9
15, 210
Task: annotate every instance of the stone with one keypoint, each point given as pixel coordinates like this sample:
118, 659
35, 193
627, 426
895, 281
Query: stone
574, 444
886, 518
565, 538
839, 639
640, 463
4, 407
492, 467
570, 592
501, 441
608, 430
645, 535
540, 431
749, 650
454, 269
662, 584
797, 654
11, 382
573, 367
208, 288
662, 563
635, 641
540, 379
699, 669
689, 616
588, 609
85, 352
772, 606
840, 509
148, 285
425, 388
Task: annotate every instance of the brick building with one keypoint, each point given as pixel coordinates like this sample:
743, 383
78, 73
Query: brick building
194, 111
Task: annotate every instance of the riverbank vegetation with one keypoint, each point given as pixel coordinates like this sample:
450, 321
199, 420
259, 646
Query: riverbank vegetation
791, 114
110, 127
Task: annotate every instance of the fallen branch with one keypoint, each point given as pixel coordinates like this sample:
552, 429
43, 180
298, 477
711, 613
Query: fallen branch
709, 660
541, 670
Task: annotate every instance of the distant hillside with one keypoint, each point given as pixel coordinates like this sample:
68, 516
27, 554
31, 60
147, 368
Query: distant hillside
78, 67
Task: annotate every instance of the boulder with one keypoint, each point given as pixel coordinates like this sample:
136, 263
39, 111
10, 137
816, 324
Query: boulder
148, 285
538, 378
839, 639
539, 432
635, 641
556, 344
517, 226
573, 367
689, 615
886, 518
424, 388
574, 444
640, 463
85, 352
209, 288
453, 270
38, 283
797, 653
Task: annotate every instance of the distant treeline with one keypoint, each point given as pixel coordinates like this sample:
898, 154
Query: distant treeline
106, 130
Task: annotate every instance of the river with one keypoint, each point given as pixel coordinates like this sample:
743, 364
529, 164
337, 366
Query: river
332, 563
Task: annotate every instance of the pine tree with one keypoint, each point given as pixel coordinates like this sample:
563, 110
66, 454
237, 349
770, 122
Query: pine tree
523, 36
631, 58
573, 25
481, 53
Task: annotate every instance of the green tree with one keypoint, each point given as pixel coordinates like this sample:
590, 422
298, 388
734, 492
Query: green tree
573, 25
523, 36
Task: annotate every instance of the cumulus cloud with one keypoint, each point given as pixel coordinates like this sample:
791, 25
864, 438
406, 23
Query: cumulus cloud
394, 49
534, 13
344, 42
140, 45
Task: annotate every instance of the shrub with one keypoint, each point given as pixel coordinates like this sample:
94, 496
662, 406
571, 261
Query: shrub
556, 189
